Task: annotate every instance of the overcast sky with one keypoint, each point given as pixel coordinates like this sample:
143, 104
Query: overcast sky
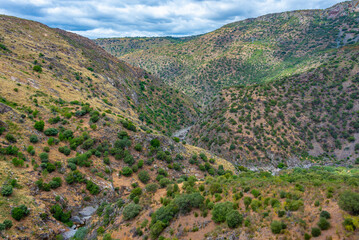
121, 18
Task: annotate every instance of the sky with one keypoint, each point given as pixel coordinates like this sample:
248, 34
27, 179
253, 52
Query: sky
132, 18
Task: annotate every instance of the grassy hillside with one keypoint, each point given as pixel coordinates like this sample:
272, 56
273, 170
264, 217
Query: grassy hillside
245, 52
80, 128
312, 116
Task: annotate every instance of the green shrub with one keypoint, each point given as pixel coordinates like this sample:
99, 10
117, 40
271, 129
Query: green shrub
8, 224
138, 147
17, 162
6, 190
307, 236
2, 129
20, 212
44, 157
349, 224
81, 233
255, 193
144, 176
152, 187
323, 224
10, 138
316, 232
185, 202
92, 187
126, 171
325, 214
247, 201
37, 68
349, 201
51, 132
131, 211
59, 214
34, 139
234, 219
220, 211
156, 229
276, 227
155, 143
39, 125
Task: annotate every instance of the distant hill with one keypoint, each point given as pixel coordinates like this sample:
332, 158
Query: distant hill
308, 116
245, 52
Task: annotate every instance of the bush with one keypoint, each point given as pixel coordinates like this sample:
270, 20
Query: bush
323, 224
92, 187
59, 214
157, 229
37, 68
144, 176
152, 187
51, 132
44, 157
131, 211
39, 125
8, 224
255, 193
155, 143
186, 202
17, 162
316, 232
276, 227
325, 214
138, 147
349, 201
34, 139
20, 212
6, 190
220, 211
10, 138
234, 219
126, 171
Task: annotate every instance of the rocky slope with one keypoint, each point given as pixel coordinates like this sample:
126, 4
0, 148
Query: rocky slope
245, 52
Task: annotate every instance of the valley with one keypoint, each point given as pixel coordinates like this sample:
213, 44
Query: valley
247, 132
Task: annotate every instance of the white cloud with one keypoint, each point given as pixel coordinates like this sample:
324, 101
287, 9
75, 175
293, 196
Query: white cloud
113, 18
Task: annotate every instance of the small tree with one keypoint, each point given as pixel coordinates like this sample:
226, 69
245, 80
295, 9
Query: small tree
323, 224
6, 190
234, 219
20, 212
144, 176
349, 201
39, 125
131, 211
316, 232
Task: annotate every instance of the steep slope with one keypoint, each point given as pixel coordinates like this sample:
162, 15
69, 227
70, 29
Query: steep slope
308, 116
84, 69
78, 130
246, 52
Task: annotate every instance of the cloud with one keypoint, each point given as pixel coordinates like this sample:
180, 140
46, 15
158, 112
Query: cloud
113, 18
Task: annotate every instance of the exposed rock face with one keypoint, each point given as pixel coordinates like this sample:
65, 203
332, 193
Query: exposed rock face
4, 108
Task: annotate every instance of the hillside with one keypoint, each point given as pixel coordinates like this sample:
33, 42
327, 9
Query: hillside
245, 52
87, 146
301, 119
79, 128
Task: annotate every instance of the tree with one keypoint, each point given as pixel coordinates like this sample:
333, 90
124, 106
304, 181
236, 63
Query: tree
325, 214
155, 142
276, 227
6, 190
8, 224
20, 212
234, 219
220, 211
39, 125
34, 139
316, 232
323, 224
349, 201
144, 176
126, 171
131, 211
51, 132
